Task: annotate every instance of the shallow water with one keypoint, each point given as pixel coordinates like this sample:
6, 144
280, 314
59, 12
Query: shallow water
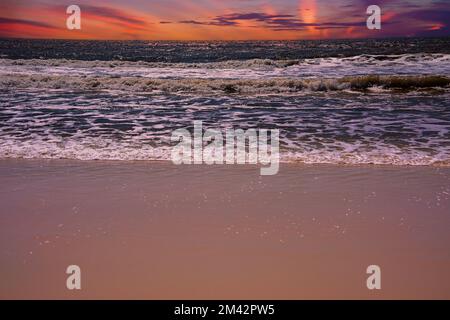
314, 128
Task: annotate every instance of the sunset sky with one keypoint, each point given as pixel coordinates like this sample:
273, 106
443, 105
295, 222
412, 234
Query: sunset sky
223, 20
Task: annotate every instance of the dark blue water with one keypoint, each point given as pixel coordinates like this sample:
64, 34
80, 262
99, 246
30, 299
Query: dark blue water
212, 51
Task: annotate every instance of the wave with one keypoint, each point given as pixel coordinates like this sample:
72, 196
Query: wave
332, 67
110, 150
88, 148
247, 86
412, 59
230, 64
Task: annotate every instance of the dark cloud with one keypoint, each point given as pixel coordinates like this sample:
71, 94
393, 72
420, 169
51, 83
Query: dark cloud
380, 3
276, 22
399, 18
438, 15
254, 16
430, 19
26, 23
214, 22
111, 13
193, 22
233, 18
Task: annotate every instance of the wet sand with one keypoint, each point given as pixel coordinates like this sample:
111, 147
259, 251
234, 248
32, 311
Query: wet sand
152, 230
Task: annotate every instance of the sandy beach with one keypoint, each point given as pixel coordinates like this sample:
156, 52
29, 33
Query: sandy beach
153, 230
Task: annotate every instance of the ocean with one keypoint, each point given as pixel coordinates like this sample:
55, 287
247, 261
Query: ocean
335, 101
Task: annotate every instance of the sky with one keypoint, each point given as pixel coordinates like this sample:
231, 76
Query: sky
223, 19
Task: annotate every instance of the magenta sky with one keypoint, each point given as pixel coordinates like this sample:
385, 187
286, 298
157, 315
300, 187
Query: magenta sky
223, 20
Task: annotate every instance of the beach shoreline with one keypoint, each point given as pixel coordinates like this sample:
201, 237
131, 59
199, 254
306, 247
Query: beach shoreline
153, 230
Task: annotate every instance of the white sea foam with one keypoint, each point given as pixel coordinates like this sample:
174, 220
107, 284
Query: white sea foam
87, 148
333, 128
437, 64
108, 149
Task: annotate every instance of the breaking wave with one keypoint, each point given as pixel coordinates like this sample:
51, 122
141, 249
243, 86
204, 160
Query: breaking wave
111, 150
245, 86
330, 67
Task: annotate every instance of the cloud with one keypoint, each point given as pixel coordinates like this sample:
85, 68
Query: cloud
254, 16
249, 19
192, 22
26, 23
233, 19
108, 15
437, 15
112, 13
438, 18
215, 22
275, 22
